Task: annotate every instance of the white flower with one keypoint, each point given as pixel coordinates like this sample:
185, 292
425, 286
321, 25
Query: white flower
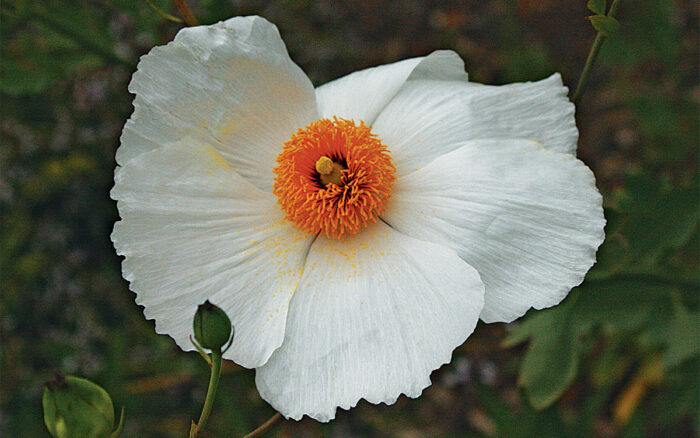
408, 203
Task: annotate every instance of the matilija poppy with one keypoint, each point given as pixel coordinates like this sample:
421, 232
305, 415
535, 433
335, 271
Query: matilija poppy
356, 232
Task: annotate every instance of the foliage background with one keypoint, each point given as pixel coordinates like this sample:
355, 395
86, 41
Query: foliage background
618, 358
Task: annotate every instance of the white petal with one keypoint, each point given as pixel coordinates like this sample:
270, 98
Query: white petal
528, 219
363, 94
231, 85
192, 230
429, 118
373, 315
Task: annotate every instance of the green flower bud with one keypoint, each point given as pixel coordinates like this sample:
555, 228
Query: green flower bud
75, 407
212, 328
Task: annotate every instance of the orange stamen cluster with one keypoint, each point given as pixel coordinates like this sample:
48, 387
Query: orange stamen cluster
309, 196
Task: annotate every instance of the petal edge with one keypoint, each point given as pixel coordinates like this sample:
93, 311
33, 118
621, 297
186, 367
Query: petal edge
372, 317
528, 219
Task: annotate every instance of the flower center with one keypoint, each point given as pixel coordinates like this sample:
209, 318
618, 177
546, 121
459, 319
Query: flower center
330, 172
334, 177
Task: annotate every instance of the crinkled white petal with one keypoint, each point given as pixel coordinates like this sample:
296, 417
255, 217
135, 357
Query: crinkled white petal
429, 118
231, 85
528, 219
191, 230
373, 315
363, 94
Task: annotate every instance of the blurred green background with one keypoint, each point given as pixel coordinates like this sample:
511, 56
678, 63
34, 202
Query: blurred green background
619, 357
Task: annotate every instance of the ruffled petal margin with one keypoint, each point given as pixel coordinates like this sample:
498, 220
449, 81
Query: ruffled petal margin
430, 118
231, 85
373, 316
363, 94
528, 219
192, 229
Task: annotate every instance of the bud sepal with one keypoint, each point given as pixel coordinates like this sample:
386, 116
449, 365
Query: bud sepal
212, 328
74, 406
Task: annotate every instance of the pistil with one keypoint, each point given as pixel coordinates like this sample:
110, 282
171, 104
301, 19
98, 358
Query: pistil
330, 172
333, 177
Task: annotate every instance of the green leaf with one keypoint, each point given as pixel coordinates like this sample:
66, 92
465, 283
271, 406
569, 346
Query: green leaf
556, 334
597, 6
678, 337
551, 362
657, 223
604, 24
609, 304
650, 220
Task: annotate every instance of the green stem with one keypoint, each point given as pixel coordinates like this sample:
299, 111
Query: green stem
47, 19
211, 392
592, 55
597, 43
265, 426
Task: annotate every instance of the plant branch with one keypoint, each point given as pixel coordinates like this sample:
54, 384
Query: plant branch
186, 12
592, 55
216, 360
266, 426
